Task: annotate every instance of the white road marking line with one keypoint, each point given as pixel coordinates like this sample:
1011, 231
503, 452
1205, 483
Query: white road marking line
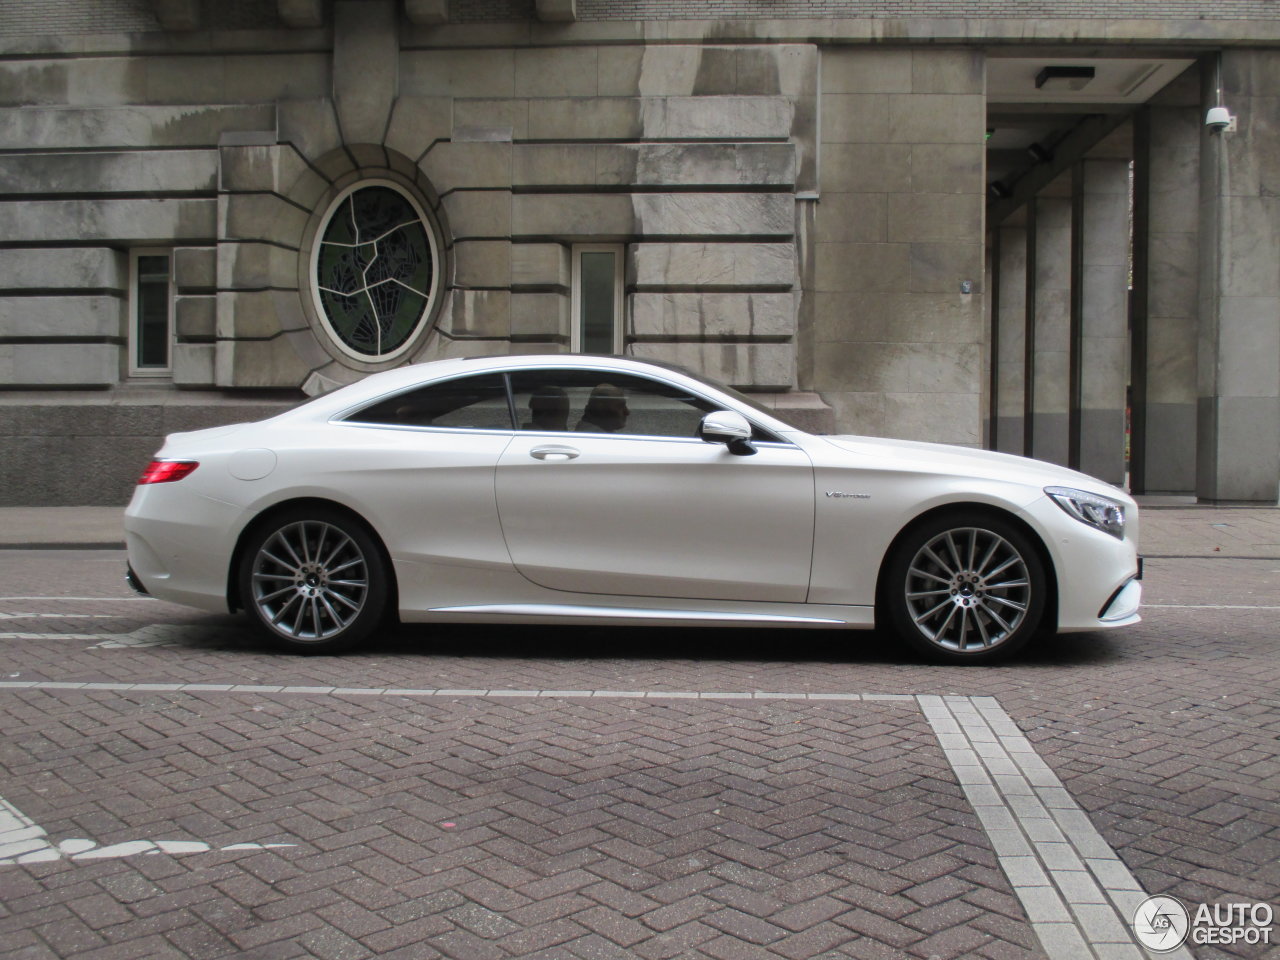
1213, 606
60, 599
60, 616
1078, 894
23, 841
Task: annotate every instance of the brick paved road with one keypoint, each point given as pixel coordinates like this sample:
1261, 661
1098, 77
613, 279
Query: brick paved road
513, 826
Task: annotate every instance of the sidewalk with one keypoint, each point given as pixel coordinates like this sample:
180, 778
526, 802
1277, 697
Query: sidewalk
1171, 527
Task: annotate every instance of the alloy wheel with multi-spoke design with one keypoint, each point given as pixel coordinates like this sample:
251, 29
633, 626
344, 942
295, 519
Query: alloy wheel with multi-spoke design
314, 581
968, 591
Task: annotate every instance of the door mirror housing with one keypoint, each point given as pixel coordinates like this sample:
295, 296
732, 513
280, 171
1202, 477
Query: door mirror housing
730, 428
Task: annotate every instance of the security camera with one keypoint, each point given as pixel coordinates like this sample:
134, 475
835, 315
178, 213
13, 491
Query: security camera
1219, 119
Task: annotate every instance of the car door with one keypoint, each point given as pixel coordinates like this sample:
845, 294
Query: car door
606, 489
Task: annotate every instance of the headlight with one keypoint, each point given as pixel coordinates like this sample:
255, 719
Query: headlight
1102, 513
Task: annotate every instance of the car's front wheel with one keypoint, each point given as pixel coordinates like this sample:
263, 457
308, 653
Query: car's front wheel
314, 580
965, 590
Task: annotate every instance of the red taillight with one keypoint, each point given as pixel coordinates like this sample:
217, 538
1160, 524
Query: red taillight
166, 471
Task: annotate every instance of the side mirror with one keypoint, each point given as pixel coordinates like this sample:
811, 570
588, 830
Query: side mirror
729, 428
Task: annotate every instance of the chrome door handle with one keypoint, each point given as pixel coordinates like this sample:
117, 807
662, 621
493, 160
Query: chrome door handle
553, 453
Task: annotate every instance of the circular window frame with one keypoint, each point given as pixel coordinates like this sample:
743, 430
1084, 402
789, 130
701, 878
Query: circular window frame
425, 320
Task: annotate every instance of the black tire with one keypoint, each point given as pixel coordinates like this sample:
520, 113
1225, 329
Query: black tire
965, 590
313, 580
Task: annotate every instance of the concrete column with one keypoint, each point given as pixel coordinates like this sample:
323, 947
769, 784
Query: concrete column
1104, 332
1166, 258
1052, 362
1238, 435
1010, 323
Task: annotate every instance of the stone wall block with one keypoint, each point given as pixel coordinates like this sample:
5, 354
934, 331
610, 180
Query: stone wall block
144, 222
714, 214
936, 118
868, 70
258, 314
755, 365
85, 316
274, 76
479, 214
458, 73
942, 267
948, 71
252, 266
258, 363
935, 217
196, 318
935, 417
478, 313
862, 267
310, 126
124, 127
1253, 225
195, 268
947, 167
260, 216
482, 263
854, 217
556, 71
601, 118
193, 364
790, 69
747, 265
1249, 347
454, 166
499, 120
418, 122
573, 216
701, 164
540, 265
540, 316
157, 171
854, 118
713, 315
717, 117
558, 164
59, 365
867, 168
66, 268
365, 65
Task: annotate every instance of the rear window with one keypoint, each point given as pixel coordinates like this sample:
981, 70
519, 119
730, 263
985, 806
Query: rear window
466, 403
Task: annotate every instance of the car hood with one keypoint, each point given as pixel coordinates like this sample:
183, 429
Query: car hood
961, 461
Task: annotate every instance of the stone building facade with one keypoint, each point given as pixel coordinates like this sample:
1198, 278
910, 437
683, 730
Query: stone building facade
887, 218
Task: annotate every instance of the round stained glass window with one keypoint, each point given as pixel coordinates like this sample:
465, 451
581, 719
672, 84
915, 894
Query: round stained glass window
375, 270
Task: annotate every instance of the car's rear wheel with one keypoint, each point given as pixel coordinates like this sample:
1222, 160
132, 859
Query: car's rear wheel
314, 580
966, 590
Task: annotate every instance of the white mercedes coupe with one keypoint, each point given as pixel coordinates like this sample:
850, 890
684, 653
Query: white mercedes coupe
603, 490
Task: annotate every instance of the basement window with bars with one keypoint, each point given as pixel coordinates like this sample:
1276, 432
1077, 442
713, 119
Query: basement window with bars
150, 313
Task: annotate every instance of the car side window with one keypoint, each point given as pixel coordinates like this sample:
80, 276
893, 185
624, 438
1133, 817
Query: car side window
602, 401
465, 403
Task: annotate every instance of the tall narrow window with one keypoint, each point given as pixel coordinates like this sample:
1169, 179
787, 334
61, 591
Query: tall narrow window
150, 313
597, 298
